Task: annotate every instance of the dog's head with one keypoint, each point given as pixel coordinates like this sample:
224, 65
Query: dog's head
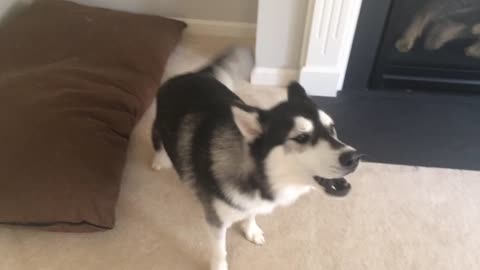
295, 139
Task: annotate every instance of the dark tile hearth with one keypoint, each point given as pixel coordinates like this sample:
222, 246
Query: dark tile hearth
420, 129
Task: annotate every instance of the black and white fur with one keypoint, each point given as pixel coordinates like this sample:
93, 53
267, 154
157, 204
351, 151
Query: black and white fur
241, 160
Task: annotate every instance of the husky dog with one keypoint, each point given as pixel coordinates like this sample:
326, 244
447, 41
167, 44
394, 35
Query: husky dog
442, 21
241, 160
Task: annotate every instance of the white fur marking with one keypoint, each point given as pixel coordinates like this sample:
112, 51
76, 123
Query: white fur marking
299, 167
161, 161
247, 123
302, 124
253, 233
225, 78
219, 248
325, 119
226, 213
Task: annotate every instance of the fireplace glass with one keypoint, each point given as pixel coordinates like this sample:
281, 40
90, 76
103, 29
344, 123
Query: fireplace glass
430, 45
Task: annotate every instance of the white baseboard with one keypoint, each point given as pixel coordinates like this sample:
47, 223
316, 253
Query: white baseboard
219, 28
273, 76
320, 81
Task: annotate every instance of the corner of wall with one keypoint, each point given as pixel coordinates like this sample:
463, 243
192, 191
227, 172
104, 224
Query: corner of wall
273, 76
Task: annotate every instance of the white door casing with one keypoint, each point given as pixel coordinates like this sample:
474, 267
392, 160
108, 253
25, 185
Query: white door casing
327, 28
329, 31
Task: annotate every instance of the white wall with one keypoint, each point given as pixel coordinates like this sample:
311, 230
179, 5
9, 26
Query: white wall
279, 41
332, 25
221, 10
280, 28
318, 60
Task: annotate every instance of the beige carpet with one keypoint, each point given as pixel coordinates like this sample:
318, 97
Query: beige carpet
396, 217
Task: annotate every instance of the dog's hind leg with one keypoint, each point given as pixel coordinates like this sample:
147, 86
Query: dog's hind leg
160, 159
252, 232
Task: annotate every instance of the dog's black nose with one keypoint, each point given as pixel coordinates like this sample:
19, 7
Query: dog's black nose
350, 159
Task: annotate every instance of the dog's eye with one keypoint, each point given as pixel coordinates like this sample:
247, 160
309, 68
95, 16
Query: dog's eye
302, 138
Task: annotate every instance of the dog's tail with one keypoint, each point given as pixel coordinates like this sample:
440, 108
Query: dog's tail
235, 64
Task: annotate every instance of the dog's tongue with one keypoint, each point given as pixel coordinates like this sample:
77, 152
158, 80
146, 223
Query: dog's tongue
338, 187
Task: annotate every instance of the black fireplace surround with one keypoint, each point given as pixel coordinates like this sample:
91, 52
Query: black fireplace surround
377, 63
396, 105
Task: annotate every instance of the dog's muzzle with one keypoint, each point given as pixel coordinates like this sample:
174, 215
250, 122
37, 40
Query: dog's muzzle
340, 187
350, 160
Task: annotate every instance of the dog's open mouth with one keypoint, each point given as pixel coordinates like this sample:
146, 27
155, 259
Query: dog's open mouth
336, 187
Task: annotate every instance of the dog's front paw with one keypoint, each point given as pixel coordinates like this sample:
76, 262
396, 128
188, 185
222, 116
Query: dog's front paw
254, 234
219, 265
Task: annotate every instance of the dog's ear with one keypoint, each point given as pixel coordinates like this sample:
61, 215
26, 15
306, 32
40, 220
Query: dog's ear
247, 120
296, 92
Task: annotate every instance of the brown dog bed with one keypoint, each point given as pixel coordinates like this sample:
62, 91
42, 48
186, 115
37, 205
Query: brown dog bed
74, 80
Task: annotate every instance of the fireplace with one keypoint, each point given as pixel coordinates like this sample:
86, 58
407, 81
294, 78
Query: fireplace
416, 44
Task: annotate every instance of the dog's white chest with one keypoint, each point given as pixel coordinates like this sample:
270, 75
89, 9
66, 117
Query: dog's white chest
290, 194
254, 205
283, 197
